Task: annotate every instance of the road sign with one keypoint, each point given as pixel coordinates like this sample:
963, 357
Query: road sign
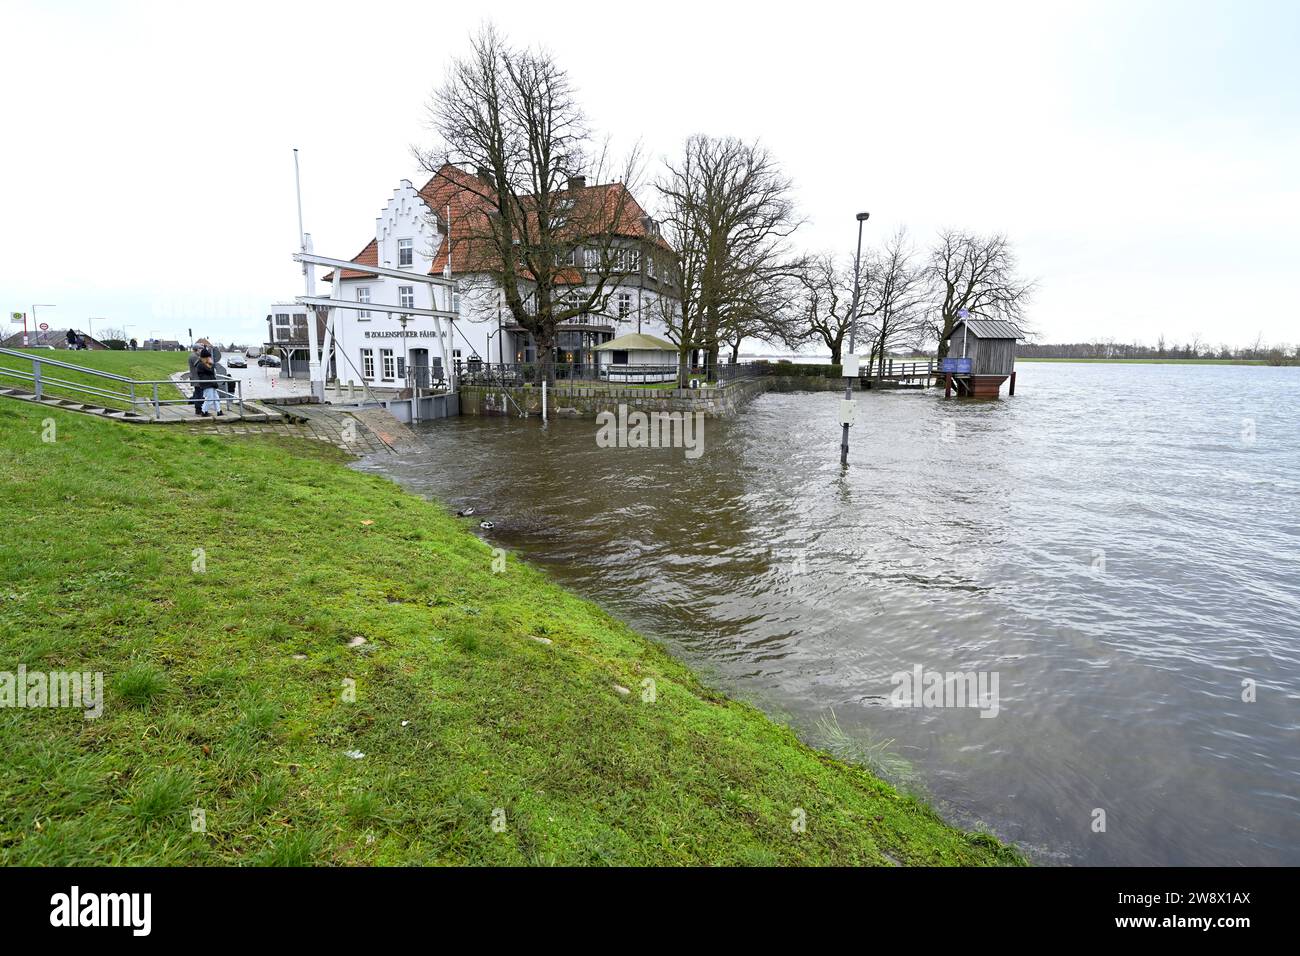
17, 317
958, 366
45, 326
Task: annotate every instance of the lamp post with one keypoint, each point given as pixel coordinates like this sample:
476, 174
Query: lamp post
853, 323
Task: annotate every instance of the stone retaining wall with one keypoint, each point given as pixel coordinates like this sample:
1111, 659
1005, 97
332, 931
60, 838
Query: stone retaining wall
578, 402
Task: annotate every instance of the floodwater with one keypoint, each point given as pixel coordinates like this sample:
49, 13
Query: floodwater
1118, 545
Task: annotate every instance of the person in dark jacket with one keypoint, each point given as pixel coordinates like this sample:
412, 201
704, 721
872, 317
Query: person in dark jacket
197, 398
206, 384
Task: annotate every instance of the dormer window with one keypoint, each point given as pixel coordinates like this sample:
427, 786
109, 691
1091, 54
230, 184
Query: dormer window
405, 252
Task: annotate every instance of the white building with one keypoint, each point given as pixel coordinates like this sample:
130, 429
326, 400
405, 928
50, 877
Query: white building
412, 233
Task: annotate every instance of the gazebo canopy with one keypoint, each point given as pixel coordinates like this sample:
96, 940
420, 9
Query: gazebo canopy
637, 341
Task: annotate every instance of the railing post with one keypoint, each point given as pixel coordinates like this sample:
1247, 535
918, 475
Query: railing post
36, 377
157, 409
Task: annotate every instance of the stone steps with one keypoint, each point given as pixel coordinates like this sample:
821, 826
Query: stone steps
259, 413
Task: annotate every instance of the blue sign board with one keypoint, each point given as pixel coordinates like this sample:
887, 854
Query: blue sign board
958, 366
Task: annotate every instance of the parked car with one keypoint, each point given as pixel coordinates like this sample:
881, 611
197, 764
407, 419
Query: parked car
236, 361
268, 360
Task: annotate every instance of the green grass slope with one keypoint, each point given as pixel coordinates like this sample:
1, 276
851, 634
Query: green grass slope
485, 704
140, 366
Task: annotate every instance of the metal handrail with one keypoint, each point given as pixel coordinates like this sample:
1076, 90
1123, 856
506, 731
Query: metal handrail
75, 368
131, 398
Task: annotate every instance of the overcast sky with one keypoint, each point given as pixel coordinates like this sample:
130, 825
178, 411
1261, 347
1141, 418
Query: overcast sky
1143, 157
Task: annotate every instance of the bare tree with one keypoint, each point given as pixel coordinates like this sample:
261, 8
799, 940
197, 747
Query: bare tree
975, 273
553, 246
825, 304
729, 213
894, 297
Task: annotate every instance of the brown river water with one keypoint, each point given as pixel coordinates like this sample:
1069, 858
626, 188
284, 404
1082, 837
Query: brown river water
1118, 547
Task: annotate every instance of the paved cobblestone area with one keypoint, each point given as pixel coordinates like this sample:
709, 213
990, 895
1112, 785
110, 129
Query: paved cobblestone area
340, 428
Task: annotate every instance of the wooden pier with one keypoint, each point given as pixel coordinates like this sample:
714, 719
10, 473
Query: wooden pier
896, 374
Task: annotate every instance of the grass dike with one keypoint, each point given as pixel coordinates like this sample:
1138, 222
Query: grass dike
304, 664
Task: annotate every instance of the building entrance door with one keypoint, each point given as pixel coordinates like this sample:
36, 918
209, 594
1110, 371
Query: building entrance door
419, 361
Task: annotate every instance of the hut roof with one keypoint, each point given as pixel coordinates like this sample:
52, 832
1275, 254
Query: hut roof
989, 329
637, 340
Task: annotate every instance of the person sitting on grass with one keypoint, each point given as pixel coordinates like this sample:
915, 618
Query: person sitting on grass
206, 378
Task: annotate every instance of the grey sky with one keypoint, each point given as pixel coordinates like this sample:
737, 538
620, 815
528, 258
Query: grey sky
1142, 156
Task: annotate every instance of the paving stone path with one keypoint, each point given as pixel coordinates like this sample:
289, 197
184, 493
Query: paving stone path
362, 432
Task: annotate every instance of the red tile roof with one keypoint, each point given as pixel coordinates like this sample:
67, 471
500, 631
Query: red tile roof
469, 200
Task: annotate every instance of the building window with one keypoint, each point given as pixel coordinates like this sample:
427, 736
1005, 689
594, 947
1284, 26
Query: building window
624, 304
650, 266
388, 363
363, 295
592, 258
634, 260
367, 363
455, 354
282, 326
406, 296
405, 252
620, 260
300, 327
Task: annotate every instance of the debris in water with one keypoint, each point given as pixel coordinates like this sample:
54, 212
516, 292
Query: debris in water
465, 512
486, 525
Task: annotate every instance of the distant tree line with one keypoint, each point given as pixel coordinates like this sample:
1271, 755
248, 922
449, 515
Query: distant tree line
1259, 351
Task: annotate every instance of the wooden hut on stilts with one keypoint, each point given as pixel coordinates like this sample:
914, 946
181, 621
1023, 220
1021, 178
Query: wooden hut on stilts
981, 356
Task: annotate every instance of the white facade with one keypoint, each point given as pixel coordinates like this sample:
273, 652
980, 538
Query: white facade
370, 347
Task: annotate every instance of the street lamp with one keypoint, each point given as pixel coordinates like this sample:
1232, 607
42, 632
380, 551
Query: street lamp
852, 364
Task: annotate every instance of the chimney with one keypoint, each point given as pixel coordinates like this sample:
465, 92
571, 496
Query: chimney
577, 182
